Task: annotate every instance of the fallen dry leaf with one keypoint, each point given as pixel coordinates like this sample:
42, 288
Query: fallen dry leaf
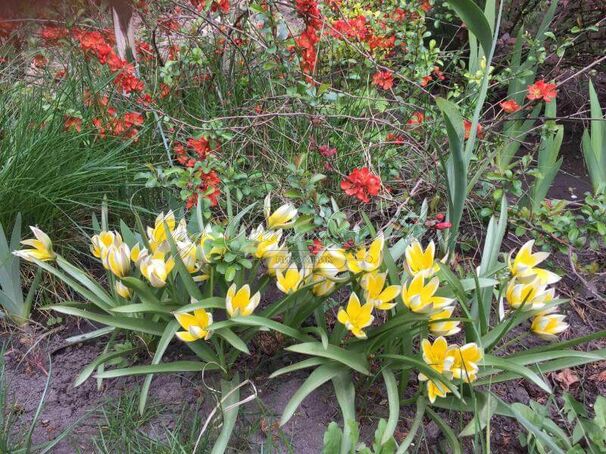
599, 376
566, 378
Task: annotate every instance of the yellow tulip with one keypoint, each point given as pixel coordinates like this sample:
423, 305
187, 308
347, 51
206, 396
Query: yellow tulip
524, 265
548, 324
122, 290
531, 295
356, 317
187, 252
117, 260
196, 325
42, 247
436, 356
465, 361
419, 261
156, 269
101, 242
283, 218
323, 285
375, 291
367, 260
440, 325
421, 298
292, 278
266, 240
277, 259
239, 302
158, 236
330, 261
137, 254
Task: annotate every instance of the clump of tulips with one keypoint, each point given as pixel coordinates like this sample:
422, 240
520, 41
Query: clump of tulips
203, 284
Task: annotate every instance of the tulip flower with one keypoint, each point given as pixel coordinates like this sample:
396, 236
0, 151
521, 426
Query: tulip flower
101, 242
356, 317
440, 325
156, 269
330, 261
290, 281
548, 324
122, 290
531, 295
239, 302
157, 235
283, 218
421, 298
465, 361
323, 285
187, 252
42, 247
524, 265
277, 259
419, 261
436, 356
196, 325
137, 254
367, 260
375, 291
266, 240
117, 260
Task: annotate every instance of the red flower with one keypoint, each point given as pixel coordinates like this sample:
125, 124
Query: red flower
128, 82
133, 119
416, 118
326, 151
60, 74
479, 130
440, 217
542, 90
51, 34
425, 81
164, 90
200, 146
72, 123
509, 106
40, 61
383, 79
361, 183
438, 73
315, 247
95, 43
395, 138
349, 244
443, 225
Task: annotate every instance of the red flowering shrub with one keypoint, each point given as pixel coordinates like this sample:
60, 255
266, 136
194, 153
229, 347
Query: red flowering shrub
509, 106
327, 151
541, 90
383, 79
362, 184
479, 129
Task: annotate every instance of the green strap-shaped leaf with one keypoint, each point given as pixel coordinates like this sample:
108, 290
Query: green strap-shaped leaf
262, 322
144, 307
475, 21
132, 324
90, 368
213, 302
167, 336
233, 339
393, 400
348, 358
306, 363
164, 368
346, 397
512, 366
316, 379
453, 441
141, 289
230, 395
